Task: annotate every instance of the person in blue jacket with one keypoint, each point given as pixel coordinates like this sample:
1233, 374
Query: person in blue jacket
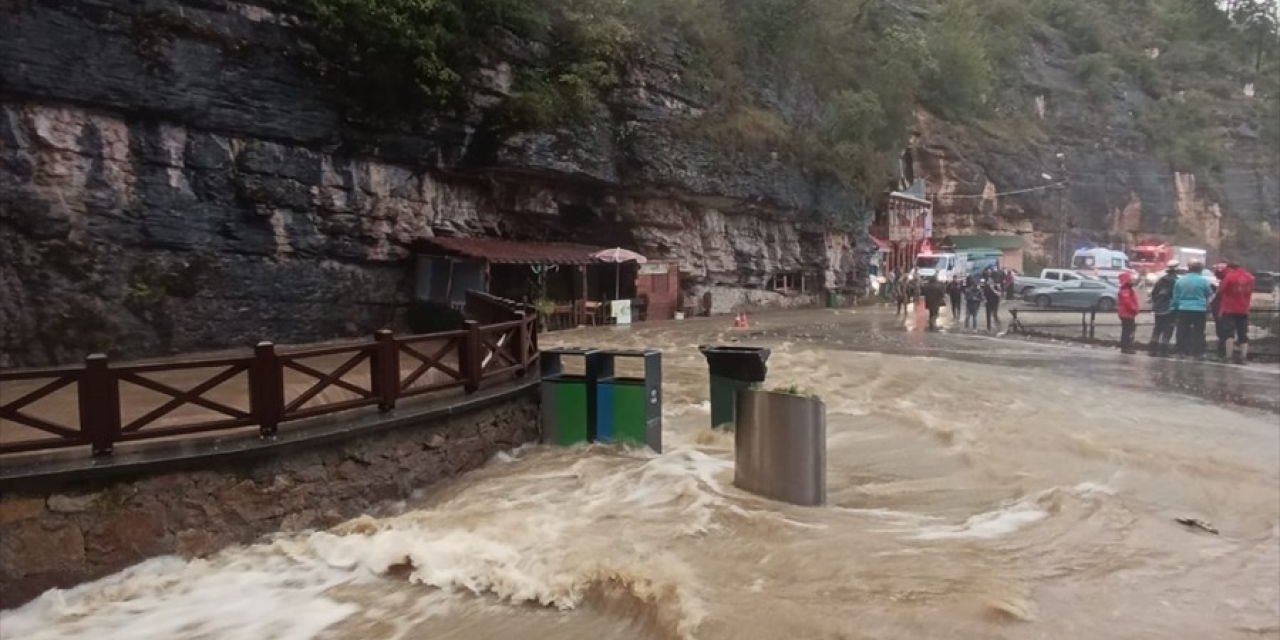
1191, 297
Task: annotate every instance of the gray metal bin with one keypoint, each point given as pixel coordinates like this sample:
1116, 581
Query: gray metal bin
780, 446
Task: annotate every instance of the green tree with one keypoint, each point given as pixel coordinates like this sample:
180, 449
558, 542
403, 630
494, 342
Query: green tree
1258, 22
1081, 21
1194, 20
961, 78
401, 55
1096, 72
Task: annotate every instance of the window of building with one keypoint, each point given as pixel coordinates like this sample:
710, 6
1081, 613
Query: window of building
794, 282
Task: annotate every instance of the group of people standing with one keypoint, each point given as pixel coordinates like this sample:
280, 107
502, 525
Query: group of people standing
970, 294
1182, 305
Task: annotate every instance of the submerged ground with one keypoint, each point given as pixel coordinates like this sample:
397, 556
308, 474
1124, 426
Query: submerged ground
978, 487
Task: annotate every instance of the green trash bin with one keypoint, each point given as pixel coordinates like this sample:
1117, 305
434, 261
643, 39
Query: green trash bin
568, 400
732, 369
629, 408
833, 299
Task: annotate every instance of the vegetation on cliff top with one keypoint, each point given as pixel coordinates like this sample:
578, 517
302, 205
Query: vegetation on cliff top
854, 71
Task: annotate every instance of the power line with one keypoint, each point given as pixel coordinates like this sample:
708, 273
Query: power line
984, 196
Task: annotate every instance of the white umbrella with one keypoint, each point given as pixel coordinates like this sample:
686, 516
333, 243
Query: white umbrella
617, 256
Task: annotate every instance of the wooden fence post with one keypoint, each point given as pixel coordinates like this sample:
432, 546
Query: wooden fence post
266, 389
99, 396
533, 333
469, 360
384, 369
521, 346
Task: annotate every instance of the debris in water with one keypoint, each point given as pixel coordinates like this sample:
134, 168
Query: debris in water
1196, 523
1012, 608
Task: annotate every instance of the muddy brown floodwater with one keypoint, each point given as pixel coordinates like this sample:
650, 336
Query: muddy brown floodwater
978, 488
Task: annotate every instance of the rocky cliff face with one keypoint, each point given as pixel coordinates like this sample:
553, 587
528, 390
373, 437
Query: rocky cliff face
175, 175
173, 178
1073, 169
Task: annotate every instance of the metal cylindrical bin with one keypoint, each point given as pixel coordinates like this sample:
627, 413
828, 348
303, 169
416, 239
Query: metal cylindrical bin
568, 399
780, 447
833, 300
629, 408
732, 369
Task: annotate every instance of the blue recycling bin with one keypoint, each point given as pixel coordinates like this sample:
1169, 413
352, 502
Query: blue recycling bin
628, 409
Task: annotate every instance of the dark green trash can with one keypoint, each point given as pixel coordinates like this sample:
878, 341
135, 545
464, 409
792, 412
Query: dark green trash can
569, 399
629, 408
732, 368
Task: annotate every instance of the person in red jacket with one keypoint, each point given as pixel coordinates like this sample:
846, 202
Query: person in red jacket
1127, 309
1236, 291
1220, 326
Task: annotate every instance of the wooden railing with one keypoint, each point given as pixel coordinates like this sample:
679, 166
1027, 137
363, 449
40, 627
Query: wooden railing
265, 389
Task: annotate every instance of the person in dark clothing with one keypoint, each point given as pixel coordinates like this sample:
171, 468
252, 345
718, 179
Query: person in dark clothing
991, 293
1162, 311
973, 302
934, 292
955, 291
901, 293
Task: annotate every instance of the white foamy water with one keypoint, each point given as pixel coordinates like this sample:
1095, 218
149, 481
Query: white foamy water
967, 499
254, 593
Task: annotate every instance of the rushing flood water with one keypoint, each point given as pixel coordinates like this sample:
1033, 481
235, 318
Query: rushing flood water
978, 488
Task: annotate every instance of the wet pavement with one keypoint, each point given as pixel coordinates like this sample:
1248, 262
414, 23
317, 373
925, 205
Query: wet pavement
879, 330
979, 487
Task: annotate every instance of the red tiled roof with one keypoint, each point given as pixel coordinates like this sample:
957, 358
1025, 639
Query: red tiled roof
509, 251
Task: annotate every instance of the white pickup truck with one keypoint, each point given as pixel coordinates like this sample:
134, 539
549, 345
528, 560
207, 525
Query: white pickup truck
1022, 285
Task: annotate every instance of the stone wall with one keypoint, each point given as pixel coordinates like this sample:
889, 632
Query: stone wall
86, 529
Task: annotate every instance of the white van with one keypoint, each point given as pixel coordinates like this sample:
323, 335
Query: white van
1106, 264
943, 266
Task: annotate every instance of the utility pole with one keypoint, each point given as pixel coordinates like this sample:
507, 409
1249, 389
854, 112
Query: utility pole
1063, 258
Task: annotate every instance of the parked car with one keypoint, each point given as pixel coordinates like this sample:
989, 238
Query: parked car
1266, 282
1076, 294
1024, 285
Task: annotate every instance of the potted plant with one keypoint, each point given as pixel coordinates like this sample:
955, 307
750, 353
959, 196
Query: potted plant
544, 307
